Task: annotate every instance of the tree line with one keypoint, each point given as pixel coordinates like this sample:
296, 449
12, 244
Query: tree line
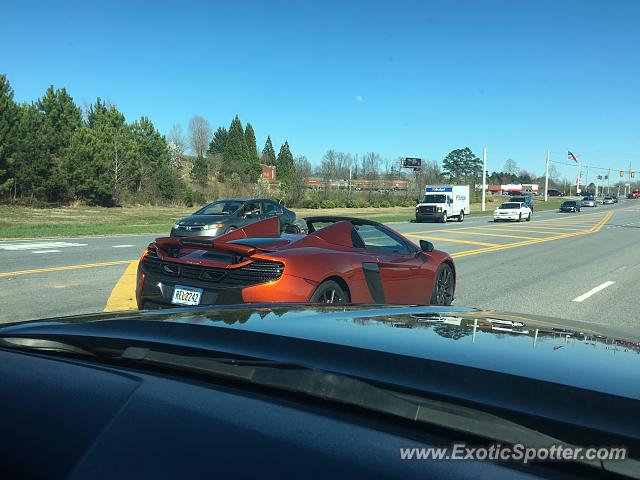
53, 152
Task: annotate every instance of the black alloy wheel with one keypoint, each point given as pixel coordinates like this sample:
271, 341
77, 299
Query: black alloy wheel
330, 292
443, 287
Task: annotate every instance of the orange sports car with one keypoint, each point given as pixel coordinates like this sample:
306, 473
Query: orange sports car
339, 260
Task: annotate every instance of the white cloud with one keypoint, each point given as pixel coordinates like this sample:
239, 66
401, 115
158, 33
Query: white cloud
359, 98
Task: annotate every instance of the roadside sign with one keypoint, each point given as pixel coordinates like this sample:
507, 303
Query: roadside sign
411, 162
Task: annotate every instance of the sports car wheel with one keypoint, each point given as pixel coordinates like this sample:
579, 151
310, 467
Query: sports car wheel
443, 287
230, 229
330, 292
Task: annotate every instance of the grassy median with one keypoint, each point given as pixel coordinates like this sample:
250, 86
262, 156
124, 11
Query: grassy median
25, 222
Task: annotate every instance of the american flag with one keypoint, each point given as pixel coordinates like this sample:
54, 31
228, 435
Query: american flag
571, 156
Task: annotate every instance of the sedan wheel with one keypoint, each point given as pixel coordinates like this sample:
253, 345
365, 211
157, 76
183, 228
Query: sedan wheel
443, 287
529, 217
330, 292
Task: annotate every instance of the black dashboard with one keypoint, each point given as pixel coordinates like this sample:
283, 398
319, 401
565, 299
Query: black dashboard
69, 418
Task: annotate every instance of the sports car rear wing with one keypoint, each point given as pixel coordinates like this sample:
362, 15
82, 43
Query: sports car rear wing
267, 228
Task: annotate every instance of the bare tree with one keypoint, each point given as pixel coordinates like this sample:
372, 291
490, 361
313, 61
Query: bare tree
303, 170
176, 137
511, 167
199, 136
432, 174
370, 165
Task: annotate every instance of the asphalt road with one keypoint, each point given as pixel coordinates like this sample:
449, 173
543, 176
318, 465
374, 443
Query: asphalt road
569, 266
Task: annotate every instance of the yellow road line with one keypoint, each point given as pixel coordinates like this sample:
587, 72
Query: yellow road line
527, 230
528, 226
453, 240
594, 229
123, 295
492, 234
65, 267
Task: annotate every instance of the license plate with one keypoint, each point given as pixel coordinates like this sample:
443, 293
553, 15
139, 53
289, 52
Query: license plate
186, 295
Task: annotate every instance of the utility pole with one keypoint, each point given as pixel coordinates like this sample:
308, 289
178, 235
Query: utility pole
484, 177
578, 180
608, 181
546, 180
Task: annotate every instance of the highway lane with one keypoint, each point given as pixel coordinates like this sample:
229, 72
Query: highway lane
536, 267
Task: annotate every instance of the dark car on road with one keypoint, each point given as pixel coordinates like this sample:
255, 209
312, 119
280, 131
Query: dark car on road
327, 391
555, 193
571, 206
224, 216
526, 199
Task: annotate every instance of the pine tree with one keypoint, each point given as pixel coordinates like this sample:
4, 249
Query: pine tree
61, 117
235, 150
219, 141
268, 153
100, 161
252, 168
8, 120
285, 168
151, 159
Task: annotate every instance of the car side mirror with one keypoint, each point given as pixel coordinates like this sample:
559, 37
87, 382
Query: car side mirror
426, 246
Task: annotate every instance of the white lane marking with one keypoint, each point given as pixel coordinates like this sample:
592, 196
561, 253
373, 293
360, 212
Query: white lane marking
122, 246
39, 245
593, 291
46, 251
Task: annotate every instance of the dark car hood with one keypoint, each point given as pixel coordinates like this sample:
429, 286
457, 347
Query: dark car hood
569, 353
202, 219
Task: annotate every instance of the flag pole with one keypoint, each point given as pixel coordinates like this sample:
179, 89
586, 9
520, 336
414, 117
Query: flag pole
546, 180
578, 180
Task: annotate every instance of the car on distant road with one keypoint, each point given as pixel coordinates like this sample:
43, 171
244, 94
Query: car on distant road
555, 193
224, 216
634, 194
512, 211
571, 206
589, 201
341, 260
608, 200
526, 199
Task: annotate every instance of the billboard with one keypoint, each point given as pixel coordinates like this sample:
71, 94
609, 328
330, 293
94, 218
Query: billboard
411, 162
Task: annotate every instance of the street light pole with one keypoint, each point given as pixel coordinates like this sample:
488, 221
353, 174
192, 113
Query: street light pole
546, 180
484, 177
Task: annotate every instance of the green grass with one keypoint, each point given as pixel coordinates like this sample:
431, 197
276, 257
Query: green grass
24, 222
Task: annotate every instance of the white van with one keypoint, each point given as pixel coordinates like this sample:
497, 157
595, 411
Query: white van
442, 202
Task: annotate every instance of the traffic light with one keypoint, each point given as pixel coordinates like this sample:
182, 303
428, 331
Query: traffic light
633, 174
622, 173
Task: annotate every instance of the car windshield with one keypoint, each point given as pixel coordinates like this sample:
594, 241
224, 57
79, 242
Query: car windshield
510, 206
569, 204
434, 199
220, 208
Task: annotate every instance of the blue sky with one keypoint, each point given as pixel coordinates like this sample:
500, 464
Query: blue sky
398, 78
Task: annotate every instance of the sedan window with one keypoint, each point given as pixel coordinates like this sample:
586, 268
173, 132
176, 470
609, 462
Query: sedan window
220, 208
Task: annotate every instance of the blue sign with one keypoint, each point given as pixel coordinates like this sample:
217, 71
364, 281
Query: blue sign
438, 189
